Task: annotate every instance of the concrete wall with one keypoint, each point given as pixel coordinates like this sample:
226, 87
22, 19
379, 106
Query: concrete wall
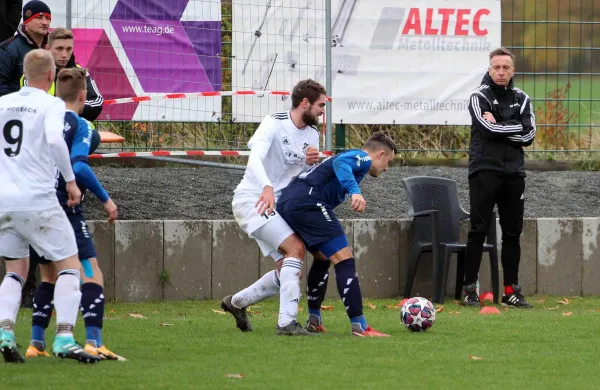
177, 260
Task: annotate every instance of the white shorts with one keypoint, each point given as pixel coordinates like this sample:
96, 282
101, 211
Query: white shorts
48, 231
269, 231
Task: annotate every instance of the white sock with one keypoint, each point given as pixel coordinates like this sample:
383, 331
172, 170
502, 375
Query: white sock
289, 295
66, 300
262, 289
10, 299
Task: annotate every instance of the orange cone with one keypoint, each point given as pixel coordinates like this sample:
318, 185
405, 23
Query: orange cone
489, 310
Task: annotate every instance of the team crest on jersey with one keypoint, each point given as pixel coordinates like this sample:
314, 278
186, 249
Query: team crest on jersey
362, 159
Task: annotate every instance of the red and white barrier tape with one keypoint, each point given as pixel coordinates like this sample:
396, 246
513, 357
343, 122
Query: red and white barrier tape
165, 96
167, 153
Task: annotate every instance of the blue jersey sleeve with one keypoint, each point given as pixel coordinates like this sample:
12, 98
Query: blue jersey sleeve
80, 148
79, 158
347, 165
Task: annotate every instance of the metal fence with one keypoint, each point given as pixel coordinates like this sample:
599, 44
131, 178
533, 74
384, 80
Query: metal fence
556, 43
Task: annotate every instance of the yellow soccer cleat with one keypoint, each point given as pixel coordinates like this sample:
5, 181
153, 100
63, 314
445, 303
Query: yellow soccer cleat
34, 352
103, 353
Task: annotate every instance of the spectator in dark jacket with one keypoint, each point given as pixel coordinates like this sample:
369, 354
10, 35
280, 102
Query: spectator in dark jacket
10, 15
503, 122
32, 34
60, 45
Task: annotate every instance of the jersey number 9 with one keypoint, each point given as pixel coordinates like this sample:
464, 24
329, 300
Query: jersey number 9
13, 135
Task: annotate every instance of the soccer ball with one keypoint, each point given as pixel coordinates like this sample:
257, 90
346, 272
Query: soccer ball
417, 314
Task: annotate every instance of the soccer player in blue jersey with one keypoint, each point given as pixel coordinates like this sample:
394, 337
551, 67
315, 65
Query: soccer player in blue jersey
307, 206
71, 87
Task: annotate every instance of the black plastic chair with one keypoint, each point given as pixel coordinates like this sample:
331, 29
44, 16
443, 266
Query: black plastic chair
436, 211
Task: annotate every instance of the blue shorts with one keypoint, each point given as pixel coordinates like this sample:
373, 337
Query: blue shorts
85, 244
316, 224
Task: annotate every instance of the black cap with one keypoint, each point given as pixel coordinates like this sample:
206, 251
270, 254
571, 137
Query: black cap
34, 8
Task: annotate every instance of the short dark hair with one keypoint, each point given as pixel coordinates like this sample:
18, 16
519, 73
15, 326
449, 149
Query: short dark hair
502, 51
380, 140
309, 89
71, 81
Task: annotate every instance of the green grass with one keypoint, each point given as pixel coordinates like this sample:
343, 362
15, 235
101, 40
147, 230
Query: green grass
582, 88
536, 349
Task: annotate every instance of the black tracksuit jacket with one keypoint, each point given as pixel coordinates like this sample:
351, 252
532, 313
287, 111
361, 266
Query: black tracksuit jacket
499, 146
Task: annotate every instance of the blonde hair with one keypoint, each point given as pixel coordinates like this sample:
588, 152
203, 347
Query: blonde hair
59, 33
36, 64
70, 83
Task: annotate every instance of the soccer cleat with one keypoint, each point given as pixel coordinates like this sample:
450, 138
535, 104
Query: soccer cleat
103, 352
8, 347
36, 350
471, 298
240, 315
516, 299
65, 347
357, 330
314, 324
294, 328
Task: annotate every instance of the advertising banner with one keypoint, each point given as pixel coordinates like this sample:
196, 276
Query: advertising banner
393, 61
144, 47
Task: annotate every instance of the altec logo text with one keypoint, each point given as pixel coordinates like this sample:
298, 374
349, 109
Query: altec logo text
433, 29
467, 22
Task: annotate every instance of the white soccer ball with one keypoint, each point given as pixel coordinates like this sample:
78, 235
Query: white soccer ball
417, 314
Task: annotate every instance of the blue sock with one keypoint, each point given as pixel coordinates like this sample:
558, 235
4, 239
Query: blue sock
316, 285
93, 336
92, 309
360, 320
349, 290
42, 311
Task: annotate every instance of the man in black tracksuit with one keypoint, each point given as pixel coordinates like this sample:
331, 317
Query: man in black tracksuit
503, 122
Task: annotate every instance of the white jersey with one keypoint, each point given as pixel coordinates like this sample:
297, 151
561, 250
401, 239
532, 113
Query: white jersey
27, 168
277, 154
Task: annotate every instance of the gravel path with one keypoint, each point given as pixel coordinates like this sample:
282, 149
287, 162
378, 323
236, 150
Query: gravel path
205, 193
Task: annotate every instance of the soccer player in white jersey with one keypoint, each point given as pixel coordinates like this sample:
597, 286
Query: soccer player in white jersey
283, 146
31, 147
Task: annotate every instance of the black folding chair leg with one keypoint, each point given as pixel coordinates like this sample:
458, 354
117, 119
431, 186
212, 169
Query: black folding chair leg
411, 270
439, 265
460, 275
447, 259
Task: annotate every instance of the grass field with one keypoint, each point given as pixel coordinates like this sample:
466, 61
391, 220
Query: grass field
583, 88
189, 345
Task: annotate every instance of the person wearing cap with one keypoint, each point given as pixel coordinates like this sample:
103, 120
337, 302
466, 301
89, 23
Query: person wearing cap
31, 34
10, 15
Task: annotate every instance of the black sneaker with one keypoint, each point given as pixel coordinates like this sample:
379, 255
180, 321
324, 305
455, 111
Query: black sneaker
294, 328
471, 298
65, 347
516, 299
240, 315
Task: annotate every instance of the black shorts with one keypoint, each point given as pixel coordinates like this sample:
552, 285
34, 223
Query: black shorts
315, 222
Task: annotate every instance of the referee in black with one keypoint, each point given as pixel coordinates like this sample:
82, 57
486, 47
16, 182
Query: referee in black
502, 123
